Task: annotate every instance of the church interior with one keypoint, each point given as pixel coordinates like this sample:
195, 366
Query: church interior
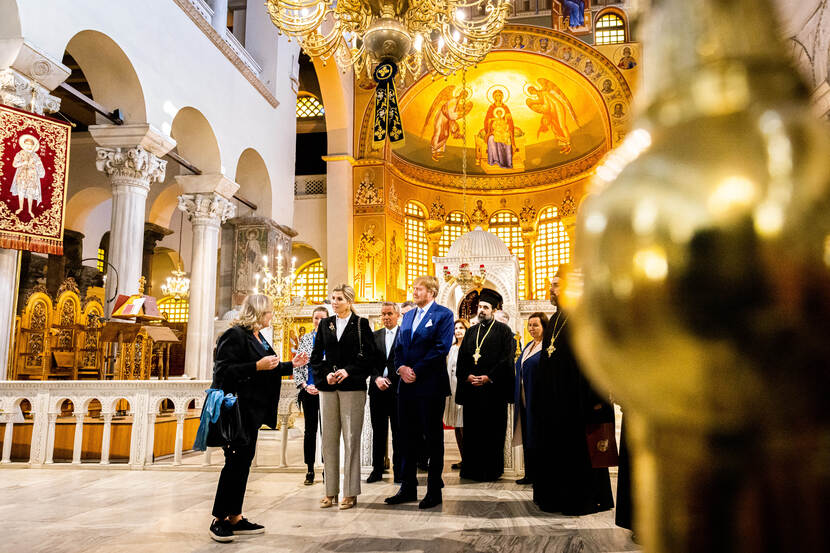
160, 162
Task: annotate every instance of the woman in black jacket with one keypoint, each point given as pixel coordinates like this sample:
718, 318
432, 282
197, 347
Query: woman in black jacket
245, 364
341, 360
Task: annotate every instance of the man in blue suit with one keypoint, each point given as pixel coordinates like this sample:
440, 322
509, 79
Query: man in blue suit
424, 340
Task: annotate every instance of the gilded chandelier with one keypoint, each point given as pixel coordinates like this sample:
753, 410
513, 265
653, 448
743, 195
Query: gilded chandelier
177, 286
278, 287
447, 35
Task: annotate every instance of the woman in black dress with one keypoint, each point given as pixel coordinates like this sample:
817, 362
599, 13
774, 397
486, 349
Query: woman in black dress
245, 364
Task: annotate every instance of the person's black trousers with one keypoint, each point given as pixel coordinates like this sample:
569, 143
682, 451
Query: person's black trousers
230, 492
311, 412
383, 410
422, 416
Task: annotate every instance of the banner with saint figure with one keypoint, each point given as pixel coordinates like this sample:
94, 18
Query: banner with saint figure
34, 167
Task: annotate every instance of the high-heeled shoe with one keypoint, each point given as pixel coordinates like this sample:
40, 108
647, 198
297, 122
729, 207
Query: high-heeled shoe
348, 503
328, 501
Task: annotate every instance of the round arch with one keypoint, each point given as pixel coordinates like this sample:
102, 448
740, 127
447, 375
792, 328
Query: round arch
337, 91
111, 76
10, 24
254, 181
195, 140
81, 205
164, 205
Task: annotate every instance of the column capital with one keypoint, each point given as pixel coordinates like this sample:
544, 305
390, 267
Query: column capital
206, 208
142, 135
207, 183
133, 166
19, 91
29, 78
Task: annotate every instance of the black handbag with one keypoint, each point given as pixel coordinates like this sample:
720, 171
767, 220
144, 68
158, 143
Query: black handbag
228, 430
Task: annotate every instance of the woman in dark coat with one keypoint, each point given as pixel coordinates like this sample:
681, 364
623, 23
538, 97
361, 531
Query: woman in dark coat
525, 366
245, 364
344, 350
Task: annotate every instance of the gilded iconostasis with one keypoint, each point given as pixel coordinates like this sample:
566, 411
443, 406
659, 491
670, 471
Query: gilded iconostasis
532, 120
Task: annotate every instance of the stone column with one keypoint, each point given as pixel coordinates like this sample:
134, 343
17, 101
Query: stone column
130, 155
106, 438
220, 16
179, 443
207, 201
7, 440
339, 217
26, 84
77, 449
528, 239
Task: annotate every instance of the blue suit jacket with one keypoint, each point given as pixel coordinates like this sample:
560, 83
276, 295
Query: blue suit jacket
426, 352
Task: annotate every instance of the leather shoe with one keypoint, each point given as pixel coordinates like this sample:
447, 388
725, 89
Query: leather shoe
430, 500
374, 476
524, 481
403, 496
309, 478
398, 480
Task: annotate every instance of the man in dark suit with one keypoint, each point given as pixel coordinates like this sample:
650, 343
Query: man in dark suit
383, 385
424, 340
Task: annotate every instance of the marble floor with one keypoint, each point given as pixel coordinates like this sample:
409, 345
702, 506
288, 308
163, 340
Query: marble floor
88, 510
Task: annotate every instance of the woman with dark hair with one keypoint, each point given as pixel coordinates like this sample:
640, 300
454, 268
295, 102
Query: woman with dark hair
453, 413
245, 364
525, 365
344, 350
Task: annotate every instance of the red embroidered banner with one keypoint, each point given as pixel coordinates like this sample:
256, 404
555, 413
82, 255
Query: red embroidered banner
34, 167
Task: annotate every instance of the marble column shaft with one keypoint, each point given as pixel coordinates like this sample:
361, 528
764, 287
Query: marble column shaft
131, 171
206, 212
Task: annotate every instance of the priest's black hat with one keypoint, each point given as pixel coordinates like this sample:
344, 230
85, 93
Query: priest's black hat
490, 296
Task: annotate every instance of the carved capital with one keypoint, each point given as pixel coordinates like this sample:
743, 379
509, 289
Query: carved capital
210, 208
18, 91
131, 164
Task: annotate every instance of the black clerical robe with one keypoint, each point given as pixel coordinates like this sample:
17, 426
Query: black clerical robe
485, 407
565, 403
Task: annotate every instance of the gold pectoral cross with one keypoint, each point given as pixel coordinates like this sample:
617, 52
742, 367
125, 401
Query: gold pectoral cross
551, 349
476, 356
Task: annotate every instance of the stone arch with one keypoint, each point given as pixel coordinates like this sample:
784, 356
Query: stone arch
109, 406
337, 91
111, 76
164, 205
82, 203
254, 181
10, 24
56, 404
195, 140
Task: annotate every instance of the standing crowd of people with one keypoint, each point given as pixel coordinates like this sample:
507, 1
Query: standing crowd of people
424, 371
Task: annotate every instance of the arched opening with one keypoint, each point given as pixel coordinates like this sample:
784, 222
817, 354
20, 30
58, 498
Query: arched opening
112, 79
195, 140
18, 432
254, 182
64, 443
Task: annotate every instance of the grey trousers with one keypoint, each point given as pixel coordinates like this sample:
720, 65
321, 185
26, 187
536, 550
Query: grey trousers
342, 412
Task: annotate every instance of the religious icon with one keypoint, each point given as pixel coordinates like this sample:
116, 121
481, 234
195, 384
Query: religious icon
607, 88
548, 100
479, 214
499, 132
575, 11
627, 61
369, 254
618, 111
29, 171
589, 68
447, 109
519, 42
250, 260
394, 263
543, 44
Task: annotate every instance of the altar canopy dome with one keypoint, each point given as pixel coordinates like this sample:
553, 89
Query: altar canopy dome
478, 243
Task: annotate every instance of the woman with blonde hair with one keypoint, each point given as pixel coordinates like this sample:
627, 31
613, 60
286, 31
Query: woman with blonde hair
246, 365
341, 361
453, 412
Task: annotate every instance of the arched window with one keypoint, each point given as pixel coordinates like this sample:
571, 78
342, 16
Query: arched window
610, 29
309, 106
505, 225
454, 226
417, 247
311, 282
551, 250
176, 310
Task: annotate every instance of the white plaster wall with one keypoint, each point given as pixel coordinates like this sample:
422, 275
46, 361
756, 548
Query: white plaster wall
310, 223
96, 224
178, 66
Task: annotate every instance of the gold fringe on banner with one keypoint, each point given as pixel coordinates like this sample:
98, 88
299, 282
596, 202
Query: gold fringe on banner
31, 243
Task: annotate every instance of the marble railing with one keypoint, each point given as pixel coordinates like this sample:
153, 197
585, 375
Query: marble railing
203, 9
241, 52
144, 398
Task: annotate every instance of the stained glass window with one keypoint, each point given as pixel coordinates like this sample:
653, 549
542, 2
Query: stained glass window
610, 29
309, 106
454, 226
417, 247
551, 250
175, 310
311, 282
505, 225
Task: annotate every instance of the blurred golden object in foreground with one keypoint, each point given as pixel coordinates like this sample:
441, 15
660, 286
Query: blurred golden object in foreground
706, 296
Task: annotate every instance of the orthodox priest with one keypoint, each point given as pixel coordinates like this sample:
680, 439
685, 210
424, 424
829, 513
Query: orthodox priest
563, 399
485, 387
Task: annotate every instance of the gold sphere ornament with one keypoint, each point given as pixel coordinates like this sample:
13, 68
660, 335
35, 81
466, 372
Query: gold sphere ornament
704, 249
